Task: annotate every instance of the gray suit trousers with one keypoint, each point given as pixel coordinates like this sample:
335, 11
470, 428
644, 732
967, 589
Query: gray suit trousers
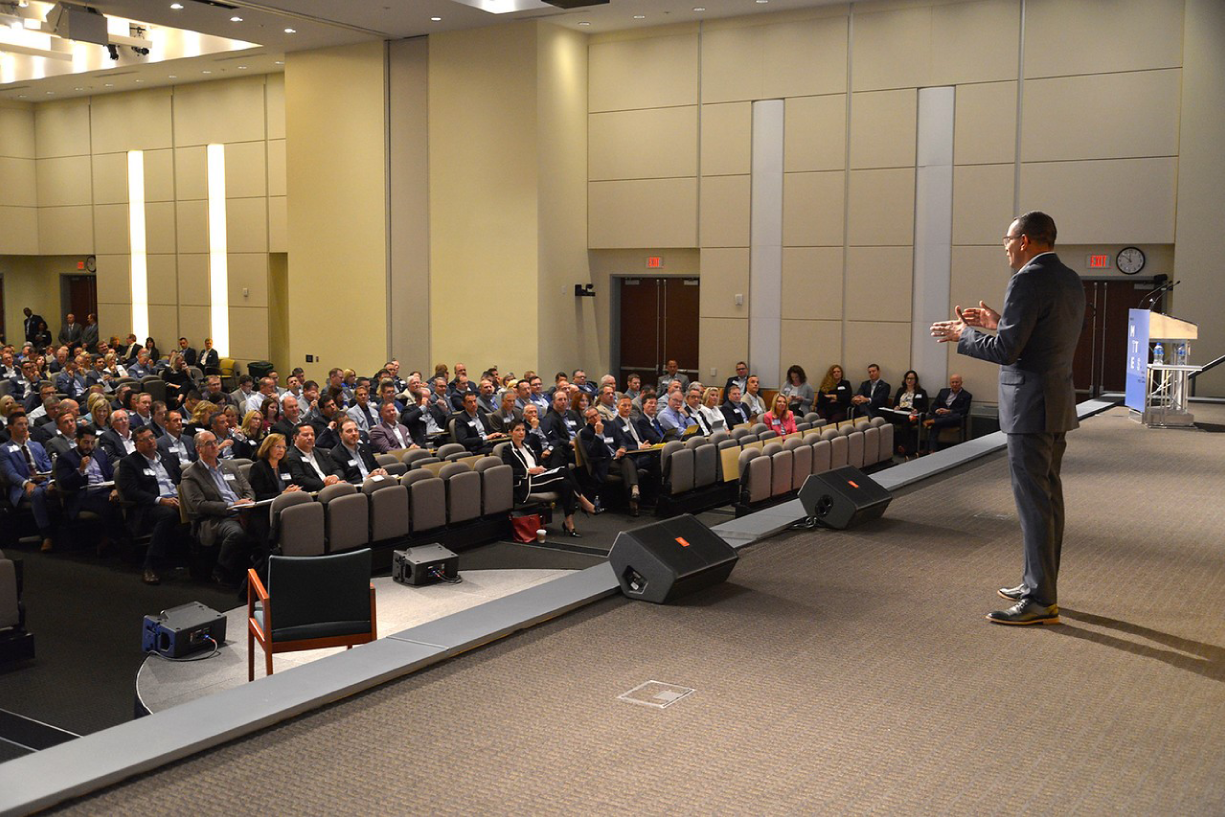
1034, 461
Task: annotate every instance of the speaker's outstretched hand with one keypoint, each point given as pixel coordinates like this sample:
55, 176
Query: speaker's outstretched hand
981, 316
945, 331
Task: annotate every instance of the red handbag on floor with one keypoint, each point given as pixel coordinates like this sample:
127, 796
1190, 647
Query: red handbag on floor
525, 527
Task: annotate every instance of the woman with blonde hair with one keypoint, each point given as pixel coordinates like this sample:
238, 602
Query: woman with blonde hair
99, 412
780, 418
711, 412
7, 405
834, 398
199, 417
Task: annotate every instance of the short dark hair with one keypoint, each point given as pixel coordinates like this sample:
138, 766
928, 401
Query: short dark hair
298, 428
874, 366
136, 435
85, 431
1038, 226
513, 425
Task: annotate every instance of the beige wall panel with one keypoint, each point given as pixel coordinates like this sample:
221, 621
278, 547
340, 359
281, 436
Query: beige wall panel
804, 57
812, 283
814, 133
1123, 201
892, 49
649, 144
982, 203
246, 170
1064, 38
62, 128
721, 342
114, 319
17, 133
112, 229
881, 207
64, 182
276, 167
813, 209
110, 178
725, 274
163, 286
193, 280
885, 344
732, 64
159, 175
18, 182
727, 138
985, 123
879, 283
646, 213
246, 222
278, 226
647, 73
160, 227
195, 323
190, 173
814, 345
974, 41
225, 111
114, 283
725, 210
164, 324
140, 120
192, 226
274, 90
883, 127
978, 273
18, 230
1064, 116
248, 271
248, 333
66, 230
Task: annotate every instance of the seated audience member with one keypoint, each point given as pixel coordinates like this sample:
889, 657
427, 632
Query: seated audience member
536, 394
142, 366
693, 408
752, 400
675, 421
834, 396
633, 388
671, 375
948, 410
740, 379
291, 415
605, 449
26, 469
650, 415
536, 436
214, 490
457, 390
472, 430
530, 476
501, 419
797, 390
606, 402
99, 414
25, 383
389, 435
71, 381
186, 352
712, 416
486, 401
242, 394
178, 378
8, 367
231, 443
270, 475
734, 411
81, 474
150, 482
561, 425
200, 414
174, 443
780, 418
638, 433
873, 394
579, 378
910, 398
214, 393
154, 354
210, 361
37, 402
119, 441
269, 413
580, 400
143, 414
311, 470
354, 458
56, 364
63, 436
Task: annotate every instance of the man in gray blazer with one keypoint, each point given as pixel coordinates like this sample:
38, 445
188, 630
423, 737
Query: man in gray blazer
213, 492
1036, 337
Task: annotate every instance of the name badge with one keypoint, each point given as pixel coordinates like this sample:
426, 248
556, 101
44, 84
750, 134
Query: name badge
919, 395
284, 477
472, 423
353, 463
228, 477
377, 478
149, 472
570, 423
842, 388
15, 448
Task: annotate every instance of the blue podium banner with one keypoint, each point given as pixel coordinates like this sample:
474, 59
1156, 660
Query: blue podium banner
1137, 358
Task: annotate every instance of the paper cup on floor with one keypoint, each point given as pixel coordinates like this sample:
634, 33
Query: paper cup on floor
540, 534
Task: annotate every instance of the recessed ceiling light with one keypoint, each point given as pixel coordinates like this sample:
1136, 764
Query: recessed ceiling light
21, 96
584, 23
78, 88
280, 62
436, 19
242, 68
291, 31
176, 6
172, 76
235, 19
206, 72
110, 85
762, 2
640, 16
699, 8
140, 80
50, 93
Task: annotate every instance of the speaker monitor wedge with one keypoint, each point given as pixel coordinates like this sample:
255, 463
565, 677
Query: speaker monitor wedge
665, 560
843, 498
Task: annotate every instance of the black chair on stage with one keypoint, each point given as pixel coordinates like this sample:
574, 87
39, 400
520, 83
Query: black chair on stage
321, 601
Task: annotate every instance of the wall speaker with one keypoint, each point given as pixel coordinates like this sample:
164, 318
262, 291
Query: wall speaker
843, 498
665, 560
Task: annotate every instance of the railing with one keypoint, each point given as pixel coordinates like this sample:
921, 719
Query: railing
1211, 365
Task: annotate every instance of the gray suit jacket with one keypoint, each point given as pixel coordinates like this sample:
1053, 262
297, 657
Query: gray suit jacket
1040, 324
202, 501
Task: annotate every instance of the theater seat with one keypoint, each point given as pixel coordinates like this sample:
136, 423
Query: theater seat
463, 492
427, 500
346, 516
821, 454
298, 524
497, 485
388, 508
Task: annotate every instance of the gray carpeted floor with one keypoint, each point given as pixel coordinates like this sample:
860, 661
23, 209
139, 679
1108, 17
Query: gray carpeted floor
835, 672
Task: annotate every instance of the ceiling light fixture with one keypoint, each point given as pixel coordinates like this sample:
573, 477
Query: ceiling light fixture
172, 76
584, 23
291, 31
176, 6
235, 19
436, 19
206, 72
699, 8
242, 68
640, 16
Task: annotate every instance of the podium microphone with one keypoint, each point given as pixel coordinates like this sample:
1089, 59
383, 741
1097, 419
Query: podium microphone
1157, 294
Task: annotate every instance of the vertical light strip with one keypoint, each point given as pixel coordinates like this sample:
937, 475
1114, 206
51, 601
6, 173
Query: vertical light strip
766, 242
218, 268
139, 277
933, 231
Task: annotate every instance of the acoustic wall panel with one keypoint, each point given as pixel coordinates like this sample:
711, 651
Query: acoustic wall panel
815, 133
643, 144
650, 72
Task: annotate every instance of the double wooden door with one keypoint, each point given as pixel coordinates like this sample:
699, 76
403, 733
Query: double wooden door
1100, 364
659, 322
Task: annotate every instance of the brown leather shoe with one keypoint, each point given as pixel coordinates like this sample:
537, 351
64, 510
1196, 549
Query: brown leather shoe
149, 577
47, 545
928, 423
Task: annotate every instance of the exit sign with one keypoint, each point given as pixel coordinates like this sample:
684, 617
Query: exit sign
1098, 261
655, 262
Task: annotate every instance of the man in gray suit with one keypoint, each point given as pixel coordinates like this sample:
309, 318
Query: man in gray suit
213, 491
1036, 336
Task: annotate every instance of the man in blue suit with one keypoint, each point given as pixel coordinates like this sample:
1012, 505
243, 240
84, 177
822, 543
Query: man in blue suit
26, 467
82, 475
1035, 338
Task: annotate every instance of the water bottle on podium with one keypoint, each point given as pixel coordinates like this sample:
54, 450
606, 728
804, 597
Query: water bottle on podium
1158, 354
1182, 354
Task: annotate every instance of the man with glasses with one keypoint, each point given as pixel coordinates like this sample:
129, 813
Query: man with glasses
150, 481
1035, 338
214, 493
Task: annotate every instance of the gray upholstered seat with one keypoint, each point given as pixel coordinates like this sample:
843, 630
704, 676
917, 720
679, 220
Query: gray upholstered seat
497, 485
463, 492
447, 449
388, 508
781, 464
427, 501
821, 453
855, 449
298, 524
346, 516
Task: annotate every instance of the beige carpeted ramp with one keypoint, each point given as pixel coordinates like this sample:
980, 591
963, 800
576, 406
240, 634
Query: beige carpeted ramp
836, 673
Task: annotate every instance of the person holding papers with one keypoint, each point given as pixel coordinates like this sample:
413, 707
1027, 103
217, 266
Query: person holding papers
214, 490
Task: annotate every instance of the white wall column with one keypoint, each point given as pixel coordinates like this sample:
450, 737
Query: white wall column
933, 234
766, 243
